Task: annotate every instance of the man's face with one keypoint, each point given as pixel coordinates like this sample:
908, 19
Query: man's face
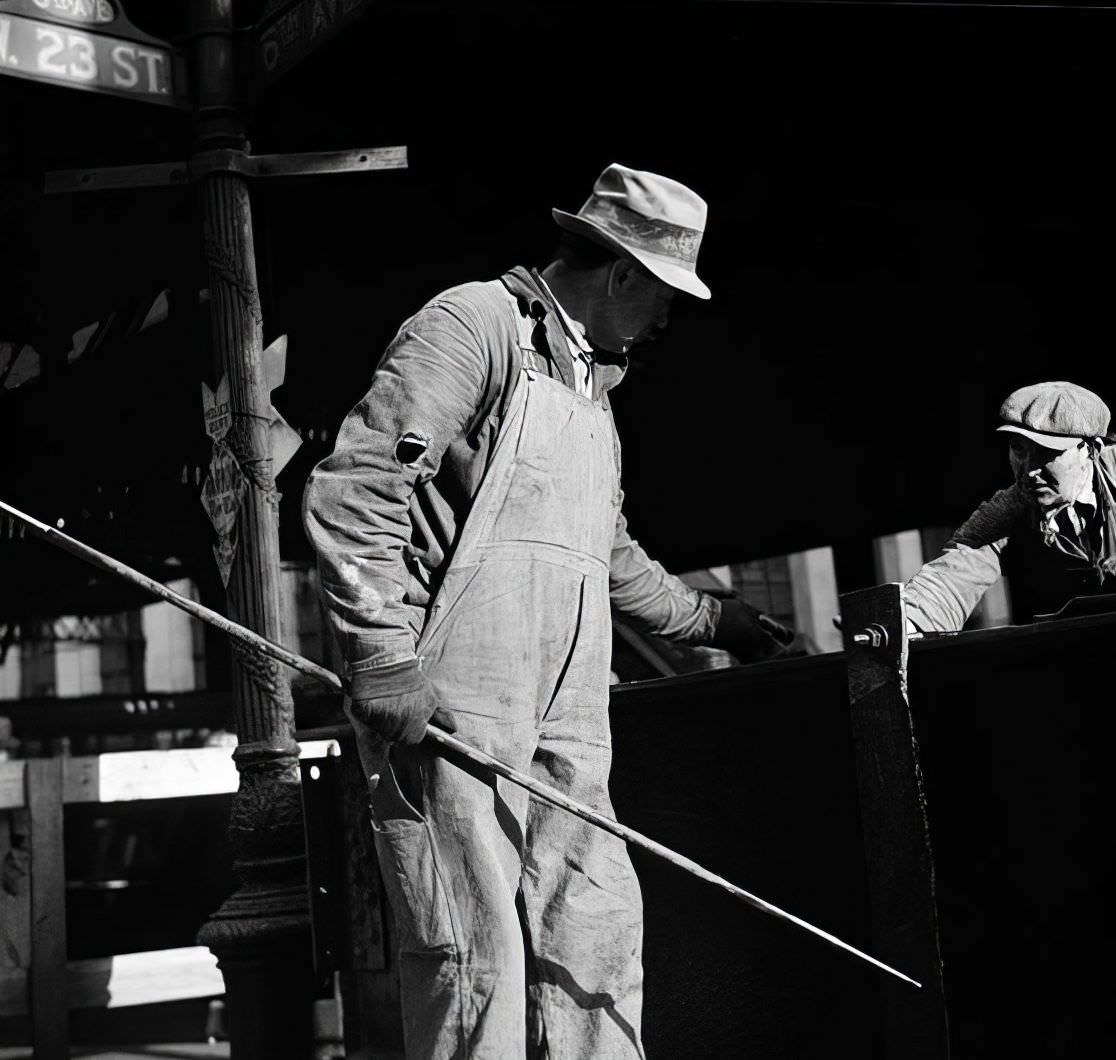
1049, 478
631, 308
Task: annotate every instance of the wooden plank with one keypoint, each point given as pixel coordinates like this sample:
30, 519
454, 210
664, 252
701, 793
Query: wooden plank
898, 857
47, 984
127, 979
13, 992
128, 776
145, 978
814, 592
898, 556
12, 790
319, 749
15, 894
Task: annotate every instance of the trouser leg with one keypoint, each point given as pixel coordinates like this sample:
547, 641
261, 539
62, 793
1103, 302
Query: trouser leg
583, 903
451, 873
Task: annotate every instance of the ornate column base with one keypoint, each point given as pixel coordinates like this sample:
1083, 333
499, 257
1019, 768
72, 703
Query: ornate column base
261, 934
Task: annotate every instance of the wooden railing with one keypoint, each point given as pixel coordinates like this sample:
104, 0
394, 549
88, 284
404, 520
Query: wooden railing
43, 983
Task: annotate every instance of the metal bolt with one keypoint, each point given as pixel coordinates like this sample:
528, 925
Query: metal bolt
875, 636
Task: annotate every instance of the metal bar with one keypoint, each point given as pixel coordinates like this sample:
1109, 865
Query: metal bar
630, 835
310, 163
358, 160
152, 175
898, 858
443, 739
323, 861
192, 607
225, 160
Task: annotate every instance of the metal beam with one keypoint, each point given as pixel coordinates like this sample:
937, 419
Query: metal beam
204, 164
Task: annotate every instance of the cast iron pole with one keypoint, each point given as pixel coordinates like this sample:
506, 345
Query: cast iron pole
261, 934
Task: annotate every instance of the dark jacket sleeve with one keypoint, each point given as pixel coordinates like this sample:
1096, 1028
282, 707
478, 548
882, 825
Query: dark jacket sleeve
942, 595
429, 387
655, 601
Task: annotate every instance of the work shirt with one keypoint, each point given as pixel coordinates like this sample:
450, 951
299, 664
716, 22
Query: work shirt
1072, 520
580, 350
1048, 559
384, 511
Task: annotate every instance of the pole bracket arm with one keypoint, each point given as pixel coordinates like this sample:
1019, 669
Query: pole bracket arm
225, 160
314, 163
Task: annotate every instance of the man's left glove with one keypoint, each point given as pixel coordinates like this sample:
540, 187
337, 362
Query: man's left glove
397, 701
747, 633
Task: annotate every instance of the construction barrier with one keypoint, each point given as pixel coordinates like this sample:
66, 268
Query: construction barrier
41, 982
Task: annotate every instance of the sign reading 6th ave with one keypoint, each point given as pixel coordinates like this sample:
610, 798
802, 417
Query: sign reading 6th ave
59, 48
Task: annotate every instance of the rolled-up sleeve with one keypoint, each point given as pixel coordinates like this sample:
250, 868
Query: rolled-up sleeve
426, 390
945, 591
654, 600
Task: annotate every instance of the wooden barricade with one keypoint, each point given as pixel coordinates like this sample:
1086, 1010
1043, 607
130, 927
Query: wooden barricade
35, 977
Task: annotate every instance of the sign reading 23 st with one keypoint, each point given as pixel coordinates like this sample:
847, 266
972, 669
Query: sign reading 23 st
60, 49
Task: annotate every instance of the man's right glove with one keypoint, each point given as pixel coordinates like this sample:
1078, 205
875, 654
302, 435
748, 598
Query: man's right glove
397, 701
741, 632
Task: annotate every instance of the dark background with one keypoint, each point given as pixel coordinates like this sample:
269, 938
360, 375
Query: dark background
909, 217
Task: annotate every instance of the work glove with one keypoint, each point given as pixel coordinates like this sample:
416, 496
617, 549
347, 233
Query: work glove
747, 633
397, 701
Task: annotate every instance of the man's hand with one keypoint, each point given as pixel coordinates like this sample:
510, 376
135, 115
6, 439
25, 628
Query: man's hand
397, 701
745, 632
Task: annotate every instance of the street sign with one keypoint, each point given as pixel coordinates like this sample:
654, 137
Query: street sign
289, 30
51, 41
217, 409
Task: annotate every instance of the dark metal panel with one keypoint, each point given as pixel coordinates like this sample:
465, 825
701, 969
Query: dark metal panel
899, 861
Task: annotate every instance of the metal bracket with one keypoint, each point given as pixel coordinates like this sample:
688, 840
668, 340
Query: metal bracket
207, 163
324, 867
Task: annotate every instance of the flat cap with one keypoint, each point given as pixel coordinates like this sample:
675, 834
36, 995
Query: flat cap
1055, 415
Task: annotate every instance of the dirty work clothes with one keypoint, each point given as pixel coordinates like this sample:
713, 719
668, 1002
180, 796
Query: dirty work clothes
385, 509
1003, 536
518, 645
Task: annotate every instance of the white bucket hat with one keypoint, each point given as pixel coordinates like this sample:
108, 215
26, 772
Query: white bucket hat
650, 218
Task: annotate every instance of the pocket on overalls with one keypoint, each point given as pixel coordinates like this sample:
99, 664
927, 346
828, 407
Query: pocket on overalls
404, 848
414, 886
410, 869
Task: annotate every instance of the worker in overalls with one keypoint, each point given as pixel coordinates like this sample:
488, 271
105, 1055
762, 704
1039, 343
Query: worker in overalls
1052, 531
470, 540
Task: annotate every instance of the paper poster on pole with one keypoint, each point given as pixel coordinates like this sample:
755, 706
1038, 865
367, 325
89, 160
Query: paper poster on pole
224, 552
217, 409
222, 494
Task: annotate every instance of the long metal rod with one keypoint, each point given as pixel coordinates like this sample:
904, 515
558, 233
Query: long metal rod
184, 603
452, 743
